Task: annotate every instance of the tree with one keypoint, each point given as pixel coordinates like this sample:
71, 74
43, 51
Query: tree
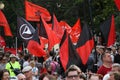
94, 12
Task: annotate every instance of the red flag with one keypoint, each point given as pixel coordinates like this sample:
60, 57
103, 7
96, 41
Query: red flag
43, 41
57, 28
108, 31
4, 23
117, 2
68, 54
75, 33
65, 26
112, 33
85, 44
52, 37
12, 50
34, 47
33, 12
2, 42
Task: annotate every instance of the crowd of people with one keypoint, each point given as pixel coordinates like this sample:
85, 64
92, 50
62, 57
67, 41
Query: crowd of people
103, 64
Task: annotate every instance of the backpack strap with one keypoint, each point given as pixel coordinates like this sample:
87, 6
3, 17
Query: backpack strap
11, 66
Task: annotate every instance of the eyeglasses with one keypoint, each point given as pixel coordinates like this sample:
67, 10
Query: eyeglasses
75, 76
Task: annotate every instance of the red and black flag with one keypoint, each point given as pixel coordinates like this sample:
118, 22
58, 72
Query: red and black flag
34, 46
76, 30
5, 25
52, 37
108, 31
85, 44
33, 12
117, 2
65, 26
42, 30
68, 54
57, 28
24, 29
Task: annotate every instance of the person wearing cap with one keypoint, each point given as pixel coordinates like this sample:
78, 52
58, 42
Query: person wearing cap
27, 71
12, 64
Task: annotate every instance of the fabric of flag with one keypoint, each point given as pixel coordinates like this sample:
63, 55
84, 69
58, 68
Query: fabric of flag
52, 37
34, 46
117, 2
85, 44
108, 31
57, 28
42, 30
12, 50
4, 23
63, 38
43, 41
2, 42
33, 12
24, 30
65, 26
68, 54
76, 30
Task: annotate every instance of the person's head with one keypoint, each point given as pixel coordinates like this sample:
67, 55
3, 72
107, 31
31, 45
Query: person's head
118, 50
4, 74
46, 76
4, 60
95, 77
27, 57
115, 67
72, 73
113, 48
27, 72
114, 76
32, 63
12, 58
100, 49
20, 55
106, 57
21, 76
108, 50
1, 55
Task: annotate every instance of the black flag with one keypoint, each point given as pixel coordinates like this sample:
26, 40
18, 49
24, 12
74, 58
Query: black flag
25, 30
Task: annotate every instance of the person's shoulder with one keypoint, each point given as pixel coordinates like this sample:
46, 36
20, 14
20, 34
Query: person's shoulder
8, 63
16, 62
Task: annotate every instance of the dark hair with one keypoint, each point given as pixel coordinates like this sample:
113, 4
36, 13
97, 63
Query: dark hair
27, 56
72, 68
21, 53
104, 54
94, 74
116, 75
42, 76
83, 77
2, 72
50, 77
